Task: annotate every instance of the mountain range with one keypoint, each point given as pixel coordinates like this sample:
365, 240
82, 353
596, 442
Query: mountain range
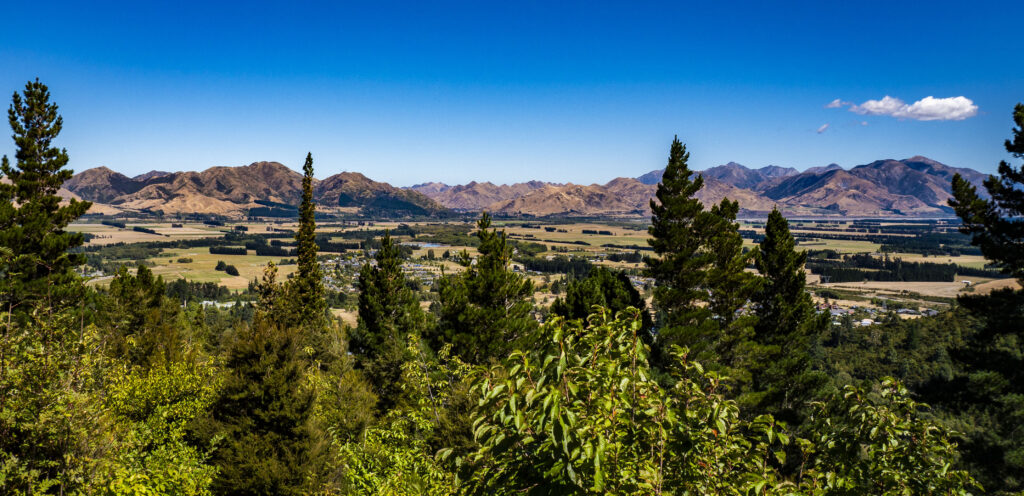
917, 186
234, 191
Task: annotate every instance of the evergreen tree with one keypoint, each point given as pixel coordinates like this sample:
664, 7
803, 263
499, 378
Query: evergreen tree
607, 288
484, 310
140, 322
307, 288
389, 313
700, 284
263, 414
987, 396
730, 287
32, 221
681, 261
787, 329
270, 303
996, 225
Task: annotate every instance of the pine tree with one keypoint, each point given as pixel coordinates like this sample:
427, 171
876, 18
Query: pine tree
270, 303
730, 288
263, 414
484, 311
987, 395
389, 313
997, 224
32, 221
787, 329
700, 286
307, 288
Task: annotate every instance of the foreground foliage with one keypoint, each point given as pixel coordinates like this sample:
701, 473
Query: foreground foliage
584, 415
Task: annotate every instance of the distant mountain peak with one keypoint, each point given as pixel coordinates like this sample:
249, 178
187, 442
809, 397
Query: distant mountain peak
150, 175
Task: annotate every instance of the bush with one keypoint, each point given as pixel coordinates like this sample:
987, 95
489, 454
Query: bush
231, 270
184, 260
145, 230
583, 413
228, 250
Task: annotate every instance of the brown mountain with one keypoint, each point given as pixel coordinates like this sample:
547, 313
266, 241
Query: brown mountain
101, 185
842, 192
570, 199
620, 197
217, 190
479, 196
743, 177
430, 189
234, 190
352, 189
916, 186
150, 175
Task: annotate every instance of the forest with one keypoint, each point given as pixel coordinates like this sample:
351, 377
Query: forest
731, 382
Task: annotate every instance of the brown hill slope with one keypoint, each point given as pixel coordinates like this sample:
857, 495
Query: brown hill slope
842, 192
217, 190
234, 190
352, 189
746, 178
478, 196
430, 189
621, 196
101, 185
571, 199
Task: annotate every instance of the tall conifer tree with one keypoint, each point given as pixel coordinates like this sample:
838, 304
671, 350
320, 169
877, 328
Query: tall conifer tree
730, 288
485, 311
263, 415
700, 285
787, 329
681, 261
988, 392
32, 221
389, 312
308, 286
996, 225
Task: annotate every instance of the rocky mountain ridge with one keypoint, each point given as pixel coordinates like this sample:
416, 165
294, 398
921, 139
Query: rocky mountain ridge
234, 191
915, 187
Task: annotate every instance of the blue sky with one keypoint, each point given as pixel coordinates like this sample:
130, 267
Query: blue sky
407, 92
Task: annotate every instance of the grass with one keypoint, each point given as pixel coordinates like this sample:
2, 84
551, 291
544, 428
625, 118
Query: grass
201, 269
840, 245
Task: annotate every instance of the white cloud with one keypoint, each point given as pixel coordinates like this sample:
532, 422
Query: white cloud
823, 128
863, 123
955, 108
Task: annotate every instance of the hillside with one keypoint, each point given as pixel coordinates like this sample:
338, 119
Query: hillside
917, 186
232, 191
478, 196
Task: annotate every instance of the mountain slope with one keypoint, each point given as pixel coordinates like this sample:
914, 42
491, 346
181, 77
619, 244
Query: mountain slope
478, 196
917, 186
352, 189
234, 190
101, 185
621, 196
746, 178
